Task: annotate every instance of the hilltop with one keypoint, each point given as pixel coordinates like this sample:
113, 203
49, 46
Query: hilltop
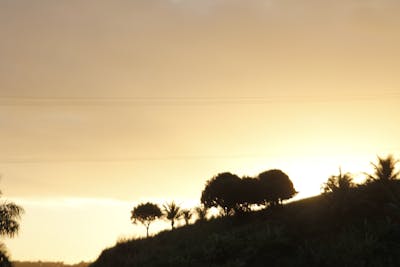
355, 227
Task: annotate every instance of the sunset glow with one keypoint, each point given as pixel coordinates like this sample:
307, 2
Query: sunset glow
106, 104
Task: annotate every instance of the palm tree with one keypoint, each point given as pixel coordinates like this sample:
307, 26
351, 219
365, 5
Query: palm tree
187, 215
337, 189
384, 170
338, 183
172, 212
10, 213
201, 212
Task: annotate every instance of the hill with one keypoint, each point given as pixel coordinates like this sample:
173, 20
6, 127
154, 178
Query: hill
357, 227
46, 264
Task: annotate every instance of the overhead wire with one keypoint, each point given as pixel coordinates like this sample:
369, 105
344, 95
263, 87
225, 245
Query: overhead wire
185, 100
125, 159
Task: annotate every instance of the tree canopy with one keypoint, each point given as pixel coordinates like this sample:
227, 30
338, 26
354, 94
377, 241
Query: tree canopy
222, 191
276, 186
145, 213
236, 195
249, 193
338, 183
384, 170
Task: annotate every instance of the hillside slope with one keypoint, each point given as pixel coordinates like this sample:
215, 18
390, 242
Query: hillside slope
356, 228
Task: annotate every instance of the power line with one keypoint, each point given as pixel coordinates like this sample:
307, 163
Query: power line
127, 159
139, 159
184, 101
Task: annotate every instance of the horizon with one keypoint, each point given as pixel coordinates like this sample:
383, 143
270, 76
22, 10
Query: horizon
104, 105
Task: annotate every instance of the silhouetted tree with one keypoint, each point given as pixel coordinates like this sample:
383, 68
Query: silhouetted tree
222, 191
337, 189
382, 184
172, 212
145, 213
276, 187
384, 170
201, 212
249, 193
339, 183
10, 214
187, 215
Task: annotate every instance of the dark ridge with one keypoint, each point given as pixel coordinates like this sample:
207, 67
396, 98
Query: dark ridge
47, 264
356, 227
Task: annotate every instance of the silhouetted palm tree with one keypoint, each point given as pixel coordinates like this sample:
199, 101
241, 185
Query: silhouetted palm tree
10, 213
384, 170
201, 212
339, 183
187, 215
172, 212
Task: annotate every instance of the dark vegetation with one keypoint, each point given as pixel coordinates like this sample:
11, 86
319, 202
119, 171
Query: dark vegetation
10, 213
234, 195
145, 214
47, 264
347, 225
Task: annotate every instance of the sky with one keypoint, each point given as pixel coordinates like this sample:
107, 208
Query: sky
106, 104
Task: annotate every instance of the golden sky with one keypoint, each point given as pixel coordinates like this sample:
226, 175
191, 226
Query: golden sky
104, 104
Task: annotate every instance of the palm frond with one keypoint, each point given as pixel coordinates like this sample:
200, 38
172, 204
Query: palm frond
10, 213
384, 170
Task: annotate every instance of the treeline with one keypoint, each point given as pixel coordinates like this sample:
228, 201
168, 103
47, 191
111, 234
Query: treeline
47, 264
227, 192
234, 196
